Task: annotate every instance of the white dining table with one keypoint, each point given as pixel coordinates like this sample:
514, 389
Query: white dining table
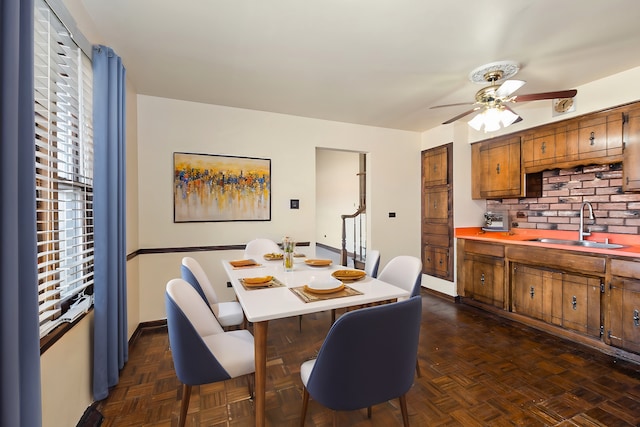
261, 305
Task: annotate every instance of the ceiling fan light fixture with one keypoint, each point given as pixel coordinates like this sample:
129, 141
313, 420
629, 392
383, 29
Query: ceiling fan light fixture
492, 119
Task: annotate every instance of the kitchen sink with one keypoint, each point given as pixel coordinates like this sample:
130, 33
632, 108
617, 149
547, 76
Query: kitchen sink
582, 243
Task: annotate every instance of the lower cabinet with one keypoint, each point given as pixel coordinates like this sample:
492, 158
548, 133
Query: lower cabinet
484, 273
533, 293
624, 326
589, 296
581, 298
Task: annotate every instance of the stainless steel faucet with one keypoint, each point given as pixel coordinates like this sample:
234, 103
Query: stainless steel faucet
581, 232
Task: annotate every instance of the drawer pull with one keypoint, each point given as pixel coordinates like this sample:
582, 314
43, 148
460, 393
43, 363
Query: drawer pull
636, 318
532, 292
574, 302
592, 138
543, 147
482, 279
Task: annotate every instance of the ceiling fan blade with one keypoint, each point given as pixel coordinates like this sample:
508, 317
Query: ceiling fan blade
452, 105
518, 119
508, 87
461, 115
545, 95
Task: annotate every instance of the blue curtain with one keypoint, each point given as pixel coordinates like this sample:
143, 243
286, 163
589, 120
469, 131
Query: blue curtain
110, 299
19, 329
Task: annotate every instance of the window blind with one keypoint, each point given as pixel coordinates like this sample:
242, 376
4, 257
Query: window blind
64, 167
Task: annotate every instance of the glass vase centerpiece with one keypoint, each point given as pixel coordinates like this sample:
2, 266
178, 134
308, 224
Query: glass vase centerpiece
288, 246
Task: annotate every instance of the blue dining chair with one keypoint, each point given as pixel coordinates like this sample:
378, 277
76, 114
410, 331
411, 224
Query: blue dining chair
202, 351
367, 358
228, 313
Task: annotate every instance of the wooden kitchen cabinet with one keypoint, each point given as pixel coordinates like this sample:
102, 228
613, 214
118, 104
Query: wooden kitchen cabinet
437, 212
496, 169
544, 147
631, 153
483, 276
598, 135
535, 293
581, 301
624, 326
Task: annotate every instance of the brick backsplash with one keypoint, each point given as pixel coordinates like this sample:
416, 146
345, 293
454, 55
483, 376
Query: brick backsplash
564, 190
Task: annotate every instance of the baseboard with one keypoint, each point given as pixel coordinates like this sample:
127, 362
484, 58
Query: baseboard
441, 295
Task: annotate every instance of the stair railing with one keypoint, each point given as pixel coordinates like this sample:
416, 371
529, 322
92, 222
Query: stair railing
357, 237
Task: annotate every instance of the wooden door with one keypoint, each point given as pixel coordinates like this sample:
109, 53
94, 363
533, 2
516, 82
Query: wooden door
437, 212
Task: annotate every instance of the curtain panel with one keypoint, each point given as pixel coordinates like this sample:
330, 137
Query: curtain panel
20, 400
110, 302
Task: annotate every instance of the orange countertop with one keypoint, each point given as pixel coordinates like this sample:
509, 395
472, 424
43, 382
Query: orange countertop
519, 236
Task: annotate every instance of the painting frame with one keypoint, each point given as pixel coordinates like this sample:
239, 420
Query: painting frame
220, 188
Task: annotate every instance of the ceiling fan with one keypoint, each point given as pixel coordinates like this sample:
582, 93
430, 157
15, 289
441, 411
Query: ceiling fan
493, 99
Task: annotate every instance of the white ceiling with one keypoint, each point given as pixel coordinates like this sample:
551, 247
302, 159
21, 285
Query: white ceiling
373, 62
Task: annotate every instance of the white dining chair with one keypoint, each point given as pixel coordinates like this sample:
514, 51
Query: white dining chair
228, 313
202, 351
405, 272
372, 263
256, 248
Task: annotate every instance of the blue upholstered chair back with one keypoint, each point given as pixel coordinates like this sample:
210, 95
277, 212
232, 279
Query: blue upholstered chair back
368, 357
190, 278
193, 361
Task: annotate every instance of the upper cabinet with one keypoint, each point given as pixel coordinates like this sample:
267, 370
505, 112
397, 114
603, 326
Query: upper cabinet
496, 170
506, 166
631, 154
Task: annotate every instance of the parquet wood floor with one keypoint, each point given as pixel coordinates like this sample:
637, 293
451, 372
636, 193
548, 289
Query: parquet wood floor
477, 370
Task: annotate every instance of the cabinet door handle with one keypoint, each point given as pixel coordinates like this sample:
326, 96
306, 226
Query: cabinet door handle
574, 302
543, 147
498, 168
532, 292
636, 318
592, 138
482, 279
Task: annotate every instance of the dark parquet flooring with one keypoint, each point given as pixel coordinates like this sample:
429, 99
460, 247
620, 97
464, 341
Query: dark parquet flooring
477, 370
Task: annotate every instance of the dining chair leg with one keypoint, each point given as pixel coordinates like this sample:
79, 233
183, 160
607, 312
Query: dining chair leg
250, 385
418, 373
184, 406
403, 409
300, 323
333, 316
305, 403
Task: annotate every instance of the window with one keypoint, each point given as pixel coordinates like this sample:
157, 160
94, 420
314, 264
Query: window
64, 171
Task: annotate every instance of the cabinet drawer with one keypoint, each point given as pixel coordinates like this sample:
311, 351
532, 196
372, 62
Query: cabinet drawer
558, 259
482, 248
625, 268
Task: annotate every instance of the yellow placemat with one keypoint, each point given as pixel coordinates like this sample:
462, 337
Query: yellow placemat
273, 283
306, 296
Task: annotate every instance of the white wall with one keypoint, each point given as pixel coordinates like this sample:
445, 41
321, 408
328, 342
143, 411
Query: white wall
166, 126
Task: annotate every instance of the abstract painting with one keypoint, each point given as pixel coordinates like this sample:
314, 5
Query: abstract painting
209, 187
